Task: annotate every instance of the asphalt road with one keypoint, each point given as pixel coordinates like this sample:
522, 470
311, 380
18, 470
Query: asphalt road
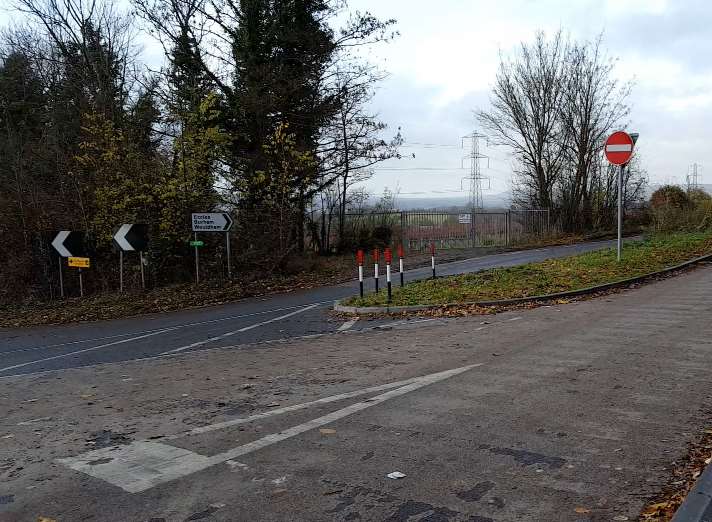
562, 413
295, 314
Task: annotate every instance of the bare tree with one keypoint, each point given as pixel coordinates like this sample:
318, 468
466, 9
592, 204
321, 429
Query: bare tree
524, 116
352, 142
593, 104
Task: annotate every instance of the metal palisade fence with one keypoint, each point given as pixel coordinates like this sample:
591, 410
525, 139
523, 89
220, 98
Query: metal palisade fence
416, 230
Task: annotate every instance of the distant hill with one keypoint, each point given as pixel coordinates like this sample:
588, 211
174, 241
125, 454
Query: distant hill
455, 203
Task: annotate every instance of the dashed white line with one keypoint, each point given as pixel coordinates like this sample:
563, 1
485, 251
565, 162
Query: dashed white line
152, 330
240, 330
85, 350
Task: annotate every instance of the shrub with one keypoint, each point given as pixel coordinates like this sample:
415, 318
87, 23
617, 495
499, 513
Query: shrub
674, 209
670, 197
698, 197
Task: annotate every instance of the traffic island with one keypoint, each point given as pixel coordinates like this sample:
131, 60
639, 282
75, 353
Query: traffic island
550, 280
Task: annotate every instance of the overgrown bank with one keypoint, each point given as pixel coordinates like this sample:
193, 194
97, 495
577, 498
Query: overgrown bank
552, 276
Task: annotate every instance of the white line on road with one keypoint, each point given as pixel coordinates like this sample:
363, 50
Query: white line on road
142, 465
347, 325
294, 407
159, 332
243, 329
152, 330
85, 350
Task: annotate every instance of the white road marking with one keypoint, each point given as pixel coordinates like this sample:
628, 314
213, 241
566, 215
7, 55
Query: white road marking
347, 325
243, 329
294, 407
162, 331
141, 332
77, 352
142, 465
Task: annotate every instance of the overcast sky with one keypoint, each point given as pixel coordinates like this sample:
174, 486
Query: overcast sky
443, 64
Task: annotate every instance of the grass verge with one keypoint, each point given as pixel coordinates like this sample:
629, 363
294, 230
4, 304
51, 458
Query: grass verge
552, 276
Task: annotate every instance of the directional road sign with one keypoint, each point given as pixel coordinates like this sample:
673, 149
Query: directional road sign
68, 243
212, 222
619, 148
197, 243
79, 262
132, 237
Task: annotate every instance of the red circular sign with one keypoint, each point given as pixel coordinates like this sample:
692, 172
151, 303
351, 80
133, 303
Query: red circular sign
619, 148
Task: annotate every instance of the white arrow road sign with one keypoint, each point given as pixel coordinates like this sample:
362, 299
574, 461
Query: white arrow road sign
120, 238
58, 243
212, 222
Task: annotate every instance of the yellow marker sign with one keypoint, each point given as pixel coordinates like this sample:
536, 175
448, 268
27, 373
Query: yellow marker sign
79, 262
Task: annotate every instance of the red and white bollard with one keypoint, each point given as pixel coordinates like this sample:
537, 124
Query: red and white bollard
359, 260
432, 258
375, 267
389, 258
400, 263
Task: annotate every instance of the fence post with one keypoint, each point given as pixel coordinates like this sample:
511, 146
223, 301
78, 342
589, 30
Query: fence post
507, 225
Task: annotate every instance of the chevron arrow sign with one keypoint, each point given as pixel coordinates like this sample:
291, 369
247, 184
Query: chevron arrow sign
68, 243
132, 237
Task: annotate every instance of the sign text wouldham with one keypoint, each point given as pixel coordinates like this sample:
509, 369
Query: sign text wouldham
211, 222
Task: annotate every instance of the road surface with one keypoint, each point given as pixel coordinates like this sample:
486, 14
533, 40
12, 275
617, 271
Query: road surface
568, 412
294, 314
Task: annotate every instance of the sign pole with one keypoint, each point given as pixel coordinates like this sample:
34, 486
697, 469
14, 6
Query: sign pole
618, 150
620, 212
359, 260
143, 277
389, 258
81, 284
400, 263
375, 269
227, 247
197, 268
61, 279
121, 271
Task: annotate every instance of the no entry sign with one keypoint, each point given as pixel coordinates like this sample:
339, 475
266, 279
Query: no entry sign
619, 148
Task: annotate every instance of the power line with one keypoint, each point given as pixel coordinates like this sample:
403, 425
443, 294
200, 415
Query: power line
429, 145
420, 168
693, 176
476, 177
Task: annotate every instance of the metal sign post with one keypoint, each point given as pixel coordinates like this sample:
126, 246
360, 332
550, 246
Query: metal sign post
143, 277
197, 267
213, 222
227, 249
619, 150
67, 243
619, 246
61, 279
131, 237
79, 263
